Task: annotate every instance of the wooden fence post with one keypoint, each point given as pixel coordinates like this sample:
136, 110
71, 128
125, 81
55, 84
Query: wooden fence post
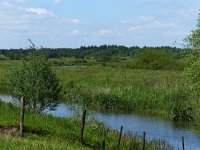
98, 146
83, 124
21, 130
104, 141
131, 143
126, 78
183, 144
144, 140
120, 136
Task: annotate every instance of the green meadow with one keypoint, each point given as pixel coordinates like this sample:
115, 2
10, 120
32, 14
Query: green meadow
110, 85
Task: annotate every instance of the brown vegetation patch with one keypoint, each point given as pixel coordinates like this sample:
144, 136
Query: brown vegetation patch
9, 130
13, 130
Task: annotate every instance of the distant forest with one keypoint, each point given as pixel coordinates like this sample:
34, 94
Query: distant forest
95, 52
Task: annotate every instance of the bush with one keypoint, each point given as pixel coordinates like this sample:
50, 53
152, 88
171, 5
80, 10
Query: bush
2, 57
181, 107
156, 60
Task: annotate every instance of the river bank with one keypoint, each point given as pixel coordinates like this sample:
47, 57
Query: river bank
115, 87
155, 128
49, 132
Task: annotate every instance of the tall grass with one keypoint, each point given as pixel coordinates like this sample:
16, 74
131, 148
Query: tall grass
5, 67
47, 132
120, 89
108, 87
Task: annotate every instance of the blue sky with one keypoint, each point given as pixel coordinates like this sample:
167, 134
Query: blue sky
72, 23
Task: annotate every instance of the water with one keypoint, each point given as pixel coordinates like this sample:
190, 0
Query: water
155, 127
74, 66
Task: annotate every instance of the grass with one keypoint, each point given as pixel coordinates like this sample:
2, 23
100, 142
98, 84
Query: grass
110, 86
45, 132
6, 66
120, 89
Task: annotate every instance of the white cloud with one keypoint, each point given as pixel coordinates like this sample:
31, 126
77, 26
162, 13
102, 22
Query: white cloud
162, 25
20, 1
126, 21
56, 1
102, 32
134, 28
146, 18
72, 21
150, 24
75, 32
12, 17
6, 4
40, 11
175, 34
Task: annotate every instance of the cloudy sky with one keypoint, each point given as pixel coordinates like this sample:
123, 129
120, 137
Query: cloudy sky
72, 23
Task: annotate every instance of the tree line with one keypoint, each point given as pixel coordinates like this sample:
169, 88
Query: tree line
88, 52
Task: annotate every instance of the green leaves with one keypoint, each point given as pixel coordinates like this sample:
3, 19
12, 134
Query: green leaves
36, 82
193, 40
156, 60
192, 69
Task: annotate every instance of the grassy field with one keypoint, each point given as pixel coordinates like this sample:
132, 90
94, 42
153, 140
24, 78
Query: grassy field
6, 66
113, 86
110, 86
43, 132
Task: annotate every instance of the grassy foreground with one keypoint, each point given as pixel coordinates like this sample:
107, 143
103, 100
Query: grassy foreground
44, 132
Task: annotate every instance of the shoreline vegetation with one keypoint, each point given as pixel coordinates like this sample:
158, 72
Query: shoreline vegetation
112, 88
48, 132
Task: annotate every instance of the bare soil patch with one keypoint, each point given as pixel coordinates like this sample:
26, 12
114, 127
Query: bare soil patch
11, 130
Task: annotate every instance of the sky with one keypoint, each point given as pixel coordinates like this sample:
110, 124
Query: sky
75, 23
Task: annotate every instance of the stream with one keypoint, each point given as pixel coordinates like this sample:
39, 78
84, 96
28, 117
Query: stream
137, 124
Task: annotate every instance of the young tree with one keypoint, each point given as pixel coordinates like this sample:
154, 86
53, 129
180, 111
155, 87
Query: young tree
36, 82
192, 70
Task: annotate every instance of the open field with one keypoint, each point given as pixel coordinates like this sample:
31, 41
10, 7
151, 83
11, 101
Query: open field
110, 86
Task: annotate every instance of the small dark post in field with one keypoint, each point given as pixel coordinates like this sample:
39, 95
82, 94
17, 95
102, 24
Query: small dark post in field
21, 130
131, 143
107, 78
144, 140
104, 141
164, 142
183, 144
83, 125
98, 146
126, 78
159, 143
120, 136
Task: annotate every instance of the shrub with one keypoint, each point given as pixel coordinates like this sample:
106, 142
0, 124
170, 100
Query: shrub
156, 60
35, 81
